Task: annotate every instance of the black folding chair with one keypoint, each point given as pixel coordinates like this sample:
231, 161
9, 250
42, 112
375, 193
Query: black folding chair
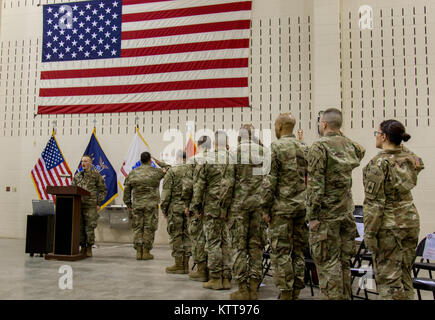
266, 262
423, 264
419, 283
357, 270
311, 276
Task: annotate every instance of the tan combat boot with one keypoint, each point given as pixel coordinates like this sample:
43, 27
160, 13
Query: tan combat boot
89, 251
200, 274
226, 283
296, 293
286, 295
242, 293
186, 264
253, 289
177, 268
139, 251
146, 255
214, 283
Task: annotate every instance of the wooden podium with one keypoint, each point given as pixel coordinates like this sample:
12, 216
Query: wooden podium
66, 241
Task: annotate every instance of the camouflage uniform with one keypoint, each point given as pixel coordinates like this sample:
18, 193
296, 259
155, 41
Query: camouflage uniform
391, 221
195, 228
285, 198
144, 181
242, 190
206, 197
329, 200
173, 206
94, 183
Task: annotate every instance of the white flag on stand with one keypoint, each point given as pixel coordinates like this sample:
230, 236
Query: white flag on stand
132, 160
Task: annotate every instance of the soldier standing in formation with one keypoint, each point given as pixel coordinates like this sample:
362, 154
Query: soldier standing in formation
143, 185
206, 193
93, 182
285, 200
391, 221
241, 192
211, 185
172, 206
330, 207
195, 228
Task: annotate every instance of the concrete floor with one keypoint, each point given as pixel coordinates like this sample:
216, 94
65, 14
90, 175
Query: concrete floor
112, 273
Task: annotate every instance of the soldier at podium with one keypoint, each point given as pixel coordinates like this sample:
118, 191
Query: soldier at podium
93, 182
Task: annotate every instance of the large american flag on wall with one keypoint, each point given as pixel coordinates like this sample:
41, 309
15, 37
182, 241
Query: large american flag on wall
142, 55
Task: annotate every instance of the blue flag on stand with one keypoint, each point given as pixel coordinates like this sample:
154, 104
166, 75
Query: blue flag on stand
101, 164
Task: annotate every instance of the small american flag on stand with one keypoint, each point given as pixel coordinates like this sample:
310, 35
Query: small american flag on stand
49, 168
142, 55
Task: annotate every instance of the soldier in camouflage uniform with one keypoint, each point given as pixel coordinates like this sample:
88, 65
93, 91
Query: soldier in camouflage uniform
285, 200
391, 221
93, 182
144, 183
330, 207
195, 229
241, 192
173, 206
206, 197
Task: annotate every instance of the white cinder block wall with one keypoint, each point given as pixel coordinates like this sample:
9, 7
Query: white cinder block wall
305, 56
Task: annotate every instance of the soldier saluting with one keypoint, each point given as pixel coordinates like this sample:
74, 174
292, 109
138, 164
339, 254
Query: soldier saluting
142, 184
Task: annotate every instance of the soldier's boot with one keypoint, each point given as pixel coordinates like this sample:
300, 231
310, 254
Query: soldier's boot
83, 250
214, 283
296, 293
286, 295
89, 250
226, 283
177, 268
200, 274
253, 289
146, 255
242, 293
139, 251
186, 264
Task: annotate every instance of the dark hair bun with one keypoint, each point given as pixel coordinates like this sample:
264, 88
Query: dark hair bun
406, 137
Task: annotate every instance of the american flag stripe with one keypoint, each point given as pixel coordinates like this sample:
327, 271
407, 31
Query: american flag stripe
180, 53
185, 12
150, 69
148, 60
42, 182
149, 106
150, 87
187, 47
41, 192
152, 78
221, 93
185, 21
190, 29
165, 5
